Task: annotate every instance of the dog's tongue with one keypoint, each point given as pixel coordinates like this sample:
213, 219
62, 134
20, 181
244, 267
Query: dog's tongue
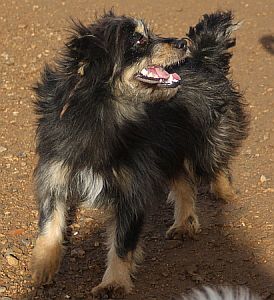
176, 76
160, 72
158, 75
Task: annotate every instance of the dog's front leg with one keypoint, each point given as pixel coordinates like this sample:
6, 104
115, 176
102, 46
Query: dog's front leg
124, 252
51, 185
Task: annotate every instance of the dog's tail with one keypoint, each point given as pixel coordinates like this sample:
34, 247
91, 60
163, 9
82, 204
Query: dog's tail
211, 39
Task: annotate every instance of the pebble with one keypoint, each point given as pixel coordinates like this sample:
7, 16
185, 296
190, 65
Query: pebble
77, 252
263, 179
21, 154
2, 289
16, 250
26, 242
12, 260
2, 149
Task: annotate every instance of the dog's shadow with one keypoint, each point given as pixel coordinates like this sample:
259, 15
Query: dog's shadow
268, 43
217, 256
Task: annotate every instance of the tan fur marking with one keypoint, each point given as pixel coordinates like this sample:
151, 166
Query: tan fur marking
65, 107
165, 54
45, 260
222, 188
140, 28
186, 221
117, 281
48, 250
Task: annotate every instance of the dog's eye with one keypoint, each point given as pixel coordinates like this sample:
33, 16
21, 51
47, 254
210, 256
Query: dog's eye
142, 41
139, 39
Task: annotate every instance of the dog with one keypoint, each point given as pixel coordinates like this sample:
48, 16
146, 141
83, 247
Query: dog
220, 293
125, 115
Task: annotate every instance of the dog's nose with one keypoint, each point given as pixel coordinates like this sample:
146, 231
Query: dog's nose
180, 44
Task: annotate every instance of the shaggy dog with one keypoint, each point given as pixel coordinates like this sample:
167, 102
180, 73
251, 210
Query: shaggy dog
125, 115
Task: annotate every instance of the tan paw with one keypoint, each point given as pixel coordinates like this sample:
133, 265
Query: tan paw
45, 263
179, 232
112, 290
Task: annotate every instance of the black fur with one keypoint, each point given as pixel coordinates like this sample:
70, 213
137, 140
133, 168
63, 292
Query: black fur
137, 158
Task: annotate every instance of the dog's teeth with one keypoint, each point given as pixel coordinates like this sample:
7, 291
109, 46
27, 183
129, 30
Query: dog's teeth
144, 72
152, 75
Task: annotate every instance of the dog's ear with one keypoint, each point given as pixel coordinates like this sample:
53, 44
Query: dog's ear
84, 44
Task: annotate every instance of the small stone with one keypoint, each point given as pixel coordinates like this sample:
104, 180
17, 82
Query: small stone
96, 244
12, 260
78, 252
2, 289
263, 179
2, 149
21, 154
22, 26
10, 62
16, 250
26, 242
248, 152
266, 137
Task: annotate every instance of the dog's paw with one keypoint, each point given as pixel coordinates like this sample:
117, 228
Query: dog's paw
45, 263
112, 290
190, 228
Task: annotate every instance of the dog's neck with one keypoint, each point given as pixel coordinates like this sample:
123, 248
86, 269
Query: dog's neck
127, 110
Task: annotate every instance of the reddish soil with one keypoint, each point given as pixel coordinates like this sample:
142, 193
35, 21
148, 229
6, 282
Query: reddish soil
236, 245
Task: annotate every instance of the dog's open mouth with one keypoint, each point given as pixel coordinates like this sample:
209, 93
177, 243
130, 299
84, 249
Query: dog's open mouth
158, 76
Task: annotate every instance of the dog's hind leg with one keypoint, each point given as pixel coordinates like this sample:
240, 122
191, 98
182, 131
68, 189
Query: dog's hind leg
222, 188
183, 195
51, 181
124, 253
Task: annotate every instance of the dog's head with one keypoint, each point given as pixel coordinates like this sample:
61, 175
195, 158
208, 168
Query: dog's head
123, 56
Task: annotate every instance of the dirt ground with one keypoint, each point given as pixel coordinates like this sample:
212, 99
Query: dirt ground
236, 245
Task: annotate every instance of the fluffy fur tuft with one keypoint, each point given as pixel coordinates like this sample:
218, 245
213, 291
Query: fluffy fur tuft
220, 293
211, 39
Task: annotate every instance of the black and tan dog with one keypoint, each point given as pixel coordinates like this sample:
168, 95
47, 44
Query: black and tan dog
124, 115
